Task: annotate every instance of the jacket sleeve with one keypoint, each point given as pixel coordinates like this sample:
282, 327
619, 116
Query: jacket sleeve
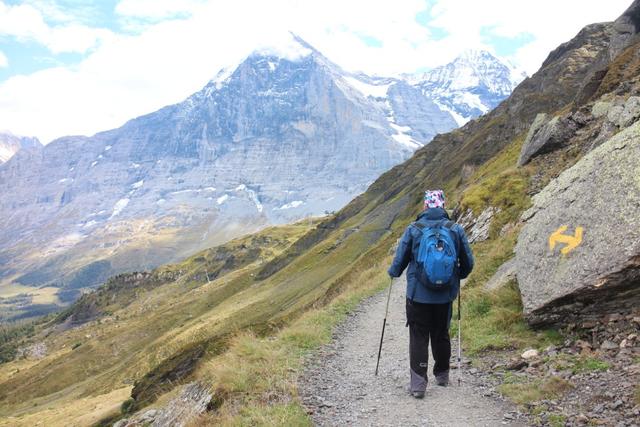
465, 256
403, 255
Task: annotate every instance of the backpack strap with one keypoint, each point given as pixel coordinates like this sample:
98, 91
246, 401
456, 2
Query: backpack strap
449, 225
419, 225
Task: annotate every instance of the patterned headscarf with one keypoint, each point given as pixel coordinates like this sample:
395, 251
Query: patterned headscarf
433, 199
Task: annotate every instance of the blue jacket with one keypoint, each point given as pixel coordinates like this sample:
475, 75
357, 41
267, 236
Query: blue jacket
409, 245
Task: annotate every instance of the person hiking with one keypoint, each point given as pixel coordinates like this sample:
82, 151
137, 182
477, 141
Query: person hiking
438, 255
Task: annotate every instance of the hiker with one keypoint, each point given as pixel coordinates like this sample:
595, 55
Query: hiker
433, 282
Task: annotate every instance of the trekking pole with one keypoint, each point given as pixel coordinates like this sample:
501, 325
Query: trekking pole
384, 323
459, 341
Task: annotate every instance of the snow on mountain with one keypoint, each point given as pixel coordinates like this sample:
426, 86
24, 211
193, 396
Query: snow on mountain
471, 85
10, 144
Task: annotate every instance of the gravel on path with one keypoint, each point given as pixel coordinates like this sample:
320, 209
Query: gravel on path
339, 388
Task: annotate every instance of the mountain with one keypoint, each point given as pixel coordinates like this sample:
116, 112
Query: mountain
222, 335
10, 144
471, 85
281, 136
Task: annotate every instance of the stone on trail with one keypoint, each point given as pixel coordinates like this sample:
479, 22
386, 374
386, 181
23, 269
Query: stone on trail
578, 253
530, 354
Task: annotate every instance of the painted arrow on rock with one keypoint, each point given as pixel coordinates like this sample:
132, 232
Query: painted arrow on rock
572, 242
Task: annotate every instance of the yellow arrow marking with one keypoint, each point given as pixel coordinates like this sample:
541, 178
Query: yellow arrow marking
572, 242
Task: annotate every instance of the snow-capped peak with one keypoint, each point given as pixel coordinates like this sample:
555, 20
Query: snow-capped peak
474, 67
223, 76
475, 55
285, 45
479, 59
471, 85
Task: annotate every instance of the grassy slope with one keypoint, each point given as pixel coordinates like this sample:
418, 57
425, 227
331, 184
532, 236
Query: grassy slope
250, 327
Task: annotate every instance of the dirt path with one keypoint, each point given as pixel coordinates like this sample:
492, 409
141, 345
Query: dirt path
340, 388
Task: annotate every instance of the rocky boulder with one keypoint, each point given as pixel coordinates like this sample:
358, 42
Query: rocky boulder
545, 135
478, 227
579, 250
620, 112
192, 401
624, 113
630, 113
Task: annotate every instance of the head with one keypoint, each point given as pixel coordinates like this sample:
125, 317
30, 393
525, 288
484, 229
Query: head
433, 199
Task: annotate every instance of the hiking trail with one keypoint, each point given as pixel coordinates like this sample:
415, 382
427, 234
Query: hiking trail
340, 388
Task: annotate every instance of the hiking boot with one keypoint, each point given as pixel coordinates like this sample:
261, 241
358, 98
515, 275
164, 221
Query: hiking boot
418, 394
442, 378
417, 385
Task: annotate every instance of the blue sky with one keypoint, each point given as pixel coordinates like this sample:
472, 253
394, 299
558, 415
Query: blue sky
78, 67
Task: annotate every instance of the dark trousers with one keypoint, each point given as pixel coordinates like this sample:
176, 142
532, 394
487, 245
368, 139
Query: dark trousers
428, 322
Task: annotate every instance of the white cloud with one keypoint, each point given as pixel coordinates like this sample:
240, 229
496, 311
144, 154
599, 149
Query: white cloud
156, 9
66, 11
550, 22
4, 62
25, 22
128, 75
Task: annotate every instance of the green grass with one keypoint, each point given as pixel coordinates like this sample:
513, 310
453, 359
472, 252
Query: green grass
275, 415
506, 191
636, 395
552, 387
590, 364
489, 256
257, 377
11, 337
493, 321
557, 420
578, 363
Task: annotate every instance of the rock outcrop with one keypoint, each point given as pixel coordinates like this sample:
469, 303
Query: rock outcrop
478, 227
625, 29
579, 251
191, 402
548, 135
